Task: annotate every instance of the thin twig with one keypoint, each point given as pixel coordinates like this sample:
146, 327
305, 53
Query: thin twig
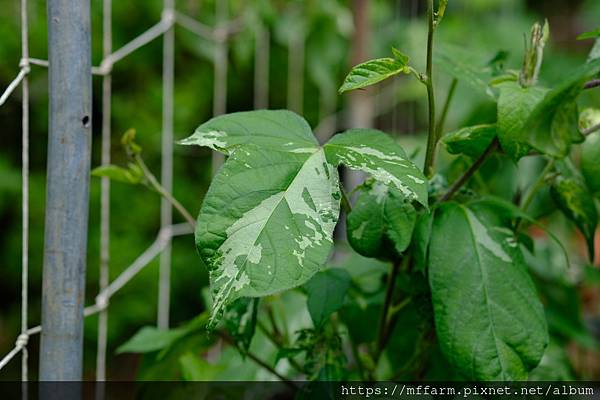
391, 284
163, 192
538, 184
257, 360
469, 173
590, 130
346, 206
439, 129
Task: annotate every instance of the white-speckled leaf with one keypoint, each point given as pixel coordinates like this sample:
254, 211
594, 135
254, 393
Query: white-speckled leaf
279, 129
379, 155
266, 224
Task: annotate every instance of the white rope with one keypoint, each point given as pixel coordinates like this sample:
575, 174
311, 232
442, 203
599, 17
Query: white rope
219, 34
261, 68
102, 300
220, 72
105, 193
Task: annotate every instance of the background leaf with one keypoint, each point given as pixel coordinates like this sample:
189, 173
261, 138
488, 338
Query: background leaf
326, 292
240, 321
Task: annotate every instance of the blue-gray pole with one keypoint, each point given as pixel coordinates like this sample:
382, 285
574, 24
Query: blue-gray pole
67, 193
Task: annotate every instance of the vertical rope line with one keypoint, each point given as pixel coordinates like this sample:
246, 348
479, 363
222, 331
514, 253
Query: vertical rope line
25, 186
296, 48
261, 67
166, 210
105, 191
220, 71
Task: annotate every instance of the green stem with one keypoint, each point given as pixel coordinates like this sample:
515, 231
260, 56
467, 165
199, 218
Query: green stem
439, 129
590, 130
163, 192
258, 361
346, 206
539, 183
275, 340
383, 319
469, 173
431, 139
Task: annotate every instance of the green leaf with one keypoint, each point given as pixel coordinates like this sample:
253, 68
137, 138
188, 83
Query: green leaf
149, 339
372, 72
590, 162
553, 125
381, 220
489, 321
326, 292
472, 140
380, 156
577, 204
260, 202
132, 175
400, 56
278, 129
278, 193
515, 104
589, 35
420, 241
240, 321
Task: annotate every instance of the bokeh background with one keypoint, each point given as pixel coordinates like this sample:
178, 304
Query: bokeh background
335, 34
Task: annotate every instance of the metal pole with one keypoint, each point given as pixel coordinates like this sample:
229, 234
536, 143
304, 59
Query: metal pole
166, 179
67, 193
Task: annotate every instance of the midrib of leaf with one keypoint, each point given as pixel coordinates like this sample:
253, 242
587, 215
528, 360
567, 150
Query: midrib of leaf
224, 292
484, 275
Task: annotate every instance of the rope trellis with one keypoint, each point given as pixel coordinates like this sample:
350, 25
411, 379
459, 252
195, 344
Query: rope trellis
170, 17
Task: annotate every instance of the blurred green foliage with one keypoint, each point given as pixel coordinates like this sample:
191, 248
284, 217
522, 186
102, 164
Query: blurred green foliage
482, 26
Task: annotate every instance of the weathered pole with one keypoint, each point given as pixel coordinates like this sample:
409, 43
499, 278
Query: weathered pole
67, 192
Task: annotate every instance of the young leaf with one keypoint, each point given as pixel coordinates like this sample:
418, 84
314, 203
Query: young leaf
132, 175
534, 54
240, 321
553, 125
472, 140
489, 321
326, 292
374, 71
577, 203
377, 154
381, 222
515, 104
590, 161
589, 35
